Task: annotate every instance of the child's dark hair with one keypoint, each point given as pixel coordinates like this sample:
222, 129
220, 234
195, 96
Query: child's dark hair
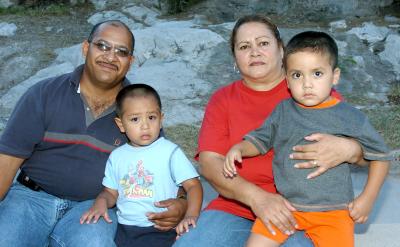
318, 42
132, 91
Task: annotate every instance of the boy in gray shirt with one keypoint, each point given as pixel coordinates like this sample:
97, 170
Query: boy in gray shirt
326, 208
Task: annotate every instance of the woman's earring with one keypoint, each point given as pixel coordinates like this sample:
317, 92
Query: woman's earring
235, 68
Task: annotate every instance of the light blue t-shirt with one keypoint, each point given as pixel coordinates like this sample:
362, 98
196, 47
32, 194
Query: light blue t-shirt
144, 175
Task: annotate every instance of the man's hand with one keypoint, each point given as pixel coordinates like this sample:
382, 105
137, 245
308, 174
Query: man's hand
325, 152
164, 221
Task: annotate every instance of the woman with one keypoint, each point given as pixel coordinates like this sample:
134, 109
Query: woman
233, 111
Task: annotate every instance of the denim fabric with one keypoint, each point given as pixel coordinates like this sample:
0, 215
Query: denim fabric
219, 229
31, 218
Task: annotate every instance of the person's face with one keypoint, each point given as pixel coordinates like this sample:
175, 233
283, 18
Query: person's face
104, 66
257, 52
310, 77
141, 120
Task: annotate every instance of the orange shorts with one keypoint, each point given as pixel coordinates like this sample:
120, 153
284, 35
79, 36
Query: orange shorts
325, 229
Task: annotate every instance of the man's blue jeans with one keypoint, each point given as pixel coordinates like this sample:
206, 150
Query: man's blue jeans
219, 229
31, 218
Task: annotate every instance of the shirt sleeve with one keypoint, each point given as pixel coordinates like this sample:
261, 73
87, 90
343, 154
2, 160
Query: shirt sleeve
26, 127
374, 147
214, 132
262, 137
110, 178
181, 168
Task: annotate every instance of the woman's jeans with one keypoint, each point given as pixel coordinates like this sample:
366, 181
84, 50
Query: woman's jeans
36, 218
219, 229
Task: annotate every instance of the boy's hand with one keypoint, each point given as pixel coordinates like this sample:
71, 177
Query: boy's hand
360, 208
229, 165
95, 212
185, 224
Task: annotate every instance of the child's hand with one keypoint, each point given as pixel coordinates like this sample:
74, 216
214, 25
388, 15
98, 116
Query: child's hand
229, 165
184, 225
360, 208
98, 209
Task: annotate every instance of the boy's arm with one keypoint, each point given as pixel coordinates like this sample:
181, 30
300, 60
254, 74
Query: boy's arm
194, 192
235, 154
195, 198
363, 204
105, 200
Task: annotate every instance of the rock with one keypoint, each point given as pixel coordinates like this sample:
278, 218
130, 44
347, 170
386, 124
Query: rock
72, 55
391, 53
8, 101
114, 15
6, 3
99, 4
16, 69
370, 32
175, 42
181, 92
337, 25
143, 14
7, 29
390, 18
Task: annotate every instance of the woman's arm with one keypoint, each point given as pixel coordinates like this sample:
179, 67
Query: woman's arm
326, 152
270, 208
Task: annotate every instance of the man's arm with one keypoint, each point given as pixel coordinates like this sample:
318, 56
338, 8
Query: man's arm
9, 166
269, 207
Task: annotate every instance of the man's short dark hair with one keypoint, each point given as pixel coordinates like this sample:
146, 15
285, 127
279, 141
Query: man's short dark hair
318, 42
115, 23
133, 91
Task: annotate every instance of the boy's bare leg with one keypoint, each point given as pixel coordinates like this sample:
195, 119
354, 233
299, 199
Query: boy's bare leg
257, 240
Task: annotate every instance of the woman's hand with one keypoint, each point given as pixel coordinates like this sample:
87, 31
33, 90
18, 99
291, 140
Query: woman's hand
164, 221
273, 208
326, 152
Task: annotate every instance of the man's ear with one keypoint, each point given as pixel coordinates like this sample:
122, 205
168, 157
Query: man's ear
336, 76
131, 61
85, 48
118, 121
162, 120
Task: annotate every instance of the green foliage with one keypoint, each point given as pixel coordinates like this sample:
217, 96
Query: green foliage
178, 6
394, 94
53, 9
346, 62
185, 136
386, 122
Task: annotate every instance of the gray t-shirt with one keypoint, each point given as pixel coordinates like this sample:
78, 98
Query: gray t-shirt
288, 125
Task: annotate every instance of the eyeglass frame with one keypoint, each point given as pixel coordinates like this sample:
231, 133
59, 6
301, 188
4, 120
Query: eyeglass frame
109, 47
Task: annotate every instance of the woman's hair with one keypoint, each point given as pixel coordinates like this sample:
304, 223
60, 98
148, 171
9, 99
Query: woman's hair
318, 42
135, 91
254, 18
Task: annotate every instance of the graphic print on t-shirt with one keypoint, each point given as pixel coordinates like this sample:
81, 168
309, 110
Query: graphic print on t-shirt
138, 182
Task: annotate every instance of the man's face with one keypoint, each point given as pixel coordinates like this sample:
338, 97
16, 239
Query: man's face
108, 56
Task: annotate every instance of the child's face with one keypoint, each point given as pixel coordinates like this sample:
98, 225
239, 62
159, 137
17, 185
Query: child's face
141, 120
310, 77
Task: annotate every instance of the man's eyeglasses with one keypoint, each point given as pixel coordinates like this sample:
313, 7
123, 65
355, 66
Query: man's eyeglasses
106, 48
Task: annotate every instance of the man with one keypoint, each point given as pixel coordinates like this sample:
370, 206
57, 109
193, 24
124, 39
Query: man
60, 135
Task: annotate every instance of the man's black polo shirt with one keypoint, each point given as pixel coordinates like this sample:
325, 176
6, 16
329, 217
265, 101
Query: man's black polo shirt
64, 147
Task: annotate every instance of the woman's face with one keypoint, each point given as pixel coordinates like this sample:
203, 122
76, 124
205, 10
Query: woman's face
257, 53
